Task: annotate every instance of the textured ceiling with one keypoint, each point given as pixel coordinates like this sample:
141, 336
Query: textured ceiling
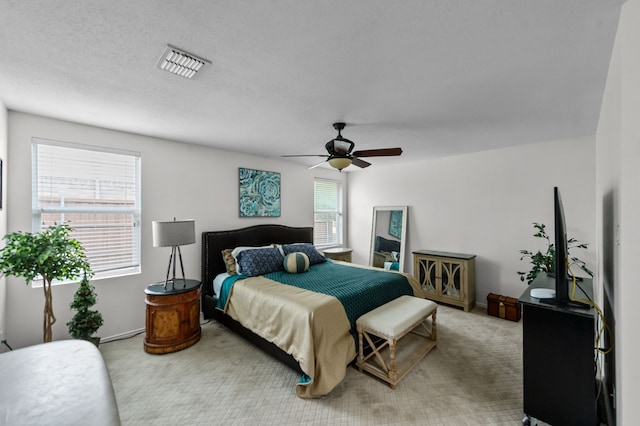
435, 77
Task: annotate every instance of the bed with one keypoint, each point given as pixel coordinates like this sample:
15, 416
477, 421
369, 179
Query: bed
311, 331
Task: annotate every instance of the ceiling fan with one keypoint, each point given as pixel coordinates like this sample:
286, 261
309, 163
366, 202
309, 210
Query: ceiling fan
340, 153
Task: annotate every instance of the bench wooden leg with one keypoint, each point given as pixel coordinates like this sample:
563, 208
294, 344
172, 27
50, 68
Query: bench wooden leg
434, 332
360, 350
393, 374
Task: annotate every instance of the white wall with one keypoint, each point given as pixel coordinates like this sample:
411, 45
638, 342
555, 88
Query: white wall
618, 206
178, 180
483, 204
3, 213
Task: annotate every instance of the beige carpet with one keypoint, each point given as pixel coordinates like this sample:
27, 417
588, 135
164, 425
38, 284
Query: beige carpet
474, 377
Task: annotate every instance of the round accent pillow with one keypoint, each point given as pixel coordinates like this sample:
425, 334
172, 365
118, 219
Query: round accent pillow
296, 262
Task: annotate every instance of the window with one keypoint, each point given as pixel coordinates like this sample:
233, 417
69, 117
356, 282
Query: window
96, 192
327, 206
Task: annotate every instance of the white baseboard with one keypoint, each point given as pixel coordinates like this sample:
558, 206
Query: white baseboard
121, 336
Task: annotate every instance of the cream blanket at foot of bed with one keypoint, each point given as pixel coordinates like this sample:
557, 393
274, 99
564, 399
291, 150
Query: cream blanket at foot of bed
312, 327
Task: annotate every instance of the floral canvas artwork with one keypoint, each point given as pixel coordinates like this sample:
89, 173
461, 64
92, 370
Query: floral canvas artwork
259, 193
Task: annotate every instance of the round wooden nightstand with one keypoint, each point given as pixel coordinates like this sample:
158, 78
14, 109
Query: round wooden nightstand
339, 253
173, 316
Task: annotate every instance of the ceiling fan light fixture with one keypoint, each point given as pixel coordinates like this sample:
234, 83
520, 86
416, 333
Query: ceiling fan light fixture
342, 145
339, 146
339, 162
340, 153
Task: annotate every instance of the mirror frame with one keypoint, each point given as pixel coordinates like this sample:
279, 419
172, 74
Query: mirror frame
403, 234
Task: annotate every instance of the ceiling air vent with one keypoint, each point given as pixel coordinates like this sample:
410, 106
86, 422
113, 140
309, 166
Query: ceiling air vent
181, 63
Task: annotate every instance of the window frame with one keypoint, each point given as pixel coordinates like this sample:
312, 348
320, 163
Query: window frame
132, 267
339, 213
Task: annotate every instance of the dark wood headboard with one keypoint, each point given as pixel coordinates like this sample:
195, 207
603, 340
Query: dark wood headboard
213, 242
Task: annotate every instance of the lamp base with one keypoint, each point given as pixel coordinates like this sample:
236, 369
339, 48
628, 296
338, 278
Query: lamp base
172, 258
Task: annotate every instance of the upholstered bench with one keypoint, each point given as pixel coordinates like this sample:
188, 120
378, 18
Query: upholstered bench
404, 318
58, 383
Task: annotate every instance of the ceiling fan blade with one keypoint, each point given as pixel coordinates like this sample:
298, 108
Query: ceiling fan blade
382, 152
360, 163
316, 165
306, 155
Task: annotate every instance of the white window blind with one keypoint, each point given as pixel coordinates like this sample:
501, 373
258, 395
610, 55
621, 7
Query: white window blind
327, 227
97, 193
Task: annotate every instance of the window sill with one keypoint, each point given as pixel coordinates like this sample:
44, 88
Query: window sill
328, 246
97, 277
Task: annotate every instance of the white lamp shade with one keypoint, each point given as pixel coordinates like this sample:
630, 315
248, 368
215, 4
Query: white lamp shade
176, 233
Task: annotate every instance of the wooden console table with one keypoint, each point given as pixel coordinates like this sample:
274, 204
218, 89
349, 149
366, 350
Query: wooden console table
173, 316
446, 277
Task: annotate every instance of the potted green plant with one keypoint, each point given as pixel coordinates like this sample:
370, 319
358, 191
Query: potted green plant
545, 261
86, 321
51, 255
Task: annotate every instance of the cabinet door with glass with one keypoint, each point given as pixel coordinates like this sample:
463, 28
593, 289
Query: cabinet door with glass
446, 277
426, 269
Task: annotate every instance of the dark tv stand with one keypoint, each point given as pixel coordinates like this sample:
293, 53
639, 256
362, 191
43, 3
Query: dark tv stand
569, 304
558, 359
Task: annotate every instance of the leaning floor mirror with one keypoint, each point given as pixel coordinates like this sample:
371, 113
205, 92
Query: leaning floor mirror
388, 237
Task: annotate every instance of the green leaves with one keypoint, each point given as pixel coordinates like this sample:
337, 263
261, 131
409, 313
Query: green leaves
86, 321
545, 262
51, 254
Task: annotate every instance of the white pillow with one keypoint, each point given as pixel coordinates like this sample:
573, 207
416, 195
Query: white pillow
217, 282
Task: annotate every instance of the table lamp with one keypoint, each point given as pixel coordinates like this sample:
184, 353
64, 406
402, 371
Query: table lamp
174, 234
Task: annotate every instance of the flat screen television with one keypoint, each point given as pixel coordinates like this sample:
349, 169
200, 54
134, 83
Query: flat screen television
560, 245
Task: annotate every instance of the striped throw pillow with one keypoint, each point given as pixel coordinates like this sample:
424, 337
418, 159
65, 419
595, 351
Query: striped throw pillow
229, 262
295, 263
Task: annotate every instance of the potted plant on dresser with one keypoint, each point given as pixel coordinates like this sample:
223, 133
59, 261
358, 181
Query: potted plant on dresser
49, 255
545, 261
86, 321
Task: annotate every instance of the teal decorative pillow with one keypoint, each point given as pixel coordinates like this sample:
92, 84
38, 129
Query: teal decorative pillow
295, 263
